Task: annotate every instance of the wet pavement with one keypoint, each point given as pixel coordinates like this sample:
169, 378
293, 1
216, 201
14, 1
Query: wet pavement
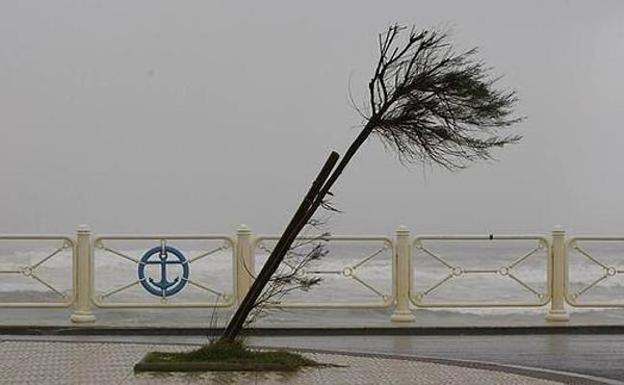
597, 355
91, 360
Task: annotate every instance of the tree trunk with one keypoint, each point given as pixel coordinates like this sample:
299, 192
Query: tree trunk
277, 255
306, 210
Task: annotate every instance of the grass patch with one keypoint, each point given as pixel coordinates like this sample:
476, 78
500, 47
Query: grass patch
224, 355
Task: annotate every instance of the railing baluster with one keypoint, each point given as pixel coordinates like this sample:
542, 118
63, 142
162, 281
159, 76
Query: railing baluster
557, 266
82, 277
244, 262
402, 276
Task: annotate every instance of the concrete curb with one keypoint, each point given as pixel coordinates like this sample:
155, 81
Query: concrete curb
307, 331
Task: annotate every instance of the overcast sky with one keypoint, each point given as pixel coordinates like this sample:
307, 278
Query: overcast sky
196, 116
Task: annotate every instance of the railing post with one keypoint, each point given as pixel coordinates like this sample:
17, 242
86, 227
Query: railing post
82, 277
558, 266
402, 276
244, 262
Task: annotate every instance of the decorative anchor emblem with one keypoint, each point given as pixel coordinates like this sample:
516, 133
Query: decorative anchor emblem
163, 287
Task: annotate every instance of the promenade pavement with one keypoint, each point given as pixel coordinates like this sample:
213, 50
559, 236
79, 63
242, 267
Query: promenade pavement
107, 360
600, 355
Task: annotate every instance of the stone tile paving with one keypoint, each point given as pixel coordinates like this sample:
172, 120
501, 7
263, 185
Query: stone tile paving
54, 362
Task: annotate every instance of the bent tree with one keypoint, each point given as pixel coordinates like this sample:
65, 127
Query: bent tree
428, 103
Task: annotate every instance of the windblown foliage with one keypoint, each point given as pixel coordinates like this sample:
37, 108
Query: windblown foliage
433, 105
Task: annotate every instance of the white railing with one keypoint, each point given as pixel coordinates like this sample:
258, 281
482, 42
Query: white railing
601, 261
347, 272
505, 268
402, 272
165, 246
28, 269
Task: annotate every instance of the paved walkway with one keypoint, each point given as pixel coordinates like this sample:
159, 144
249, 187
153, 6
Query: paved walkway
588, 354
62, 361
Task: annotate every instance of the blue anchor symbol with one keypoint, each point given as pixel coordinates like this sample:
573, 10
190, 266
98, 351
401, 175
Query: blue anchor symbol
163, 283
163, 287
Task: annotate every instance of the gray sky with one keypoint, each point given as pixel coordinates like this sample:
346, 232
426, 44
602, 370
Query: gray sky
195, 116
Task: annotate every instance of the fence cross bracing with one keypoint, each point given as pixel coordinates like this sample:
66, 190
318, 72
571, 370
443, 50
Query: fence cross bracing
29, 266
501, 267
351, 268
600, 261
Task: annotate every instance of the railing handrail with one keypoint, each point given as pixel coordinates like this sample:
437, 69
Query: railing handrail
482, 237
163, 235
36, 237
